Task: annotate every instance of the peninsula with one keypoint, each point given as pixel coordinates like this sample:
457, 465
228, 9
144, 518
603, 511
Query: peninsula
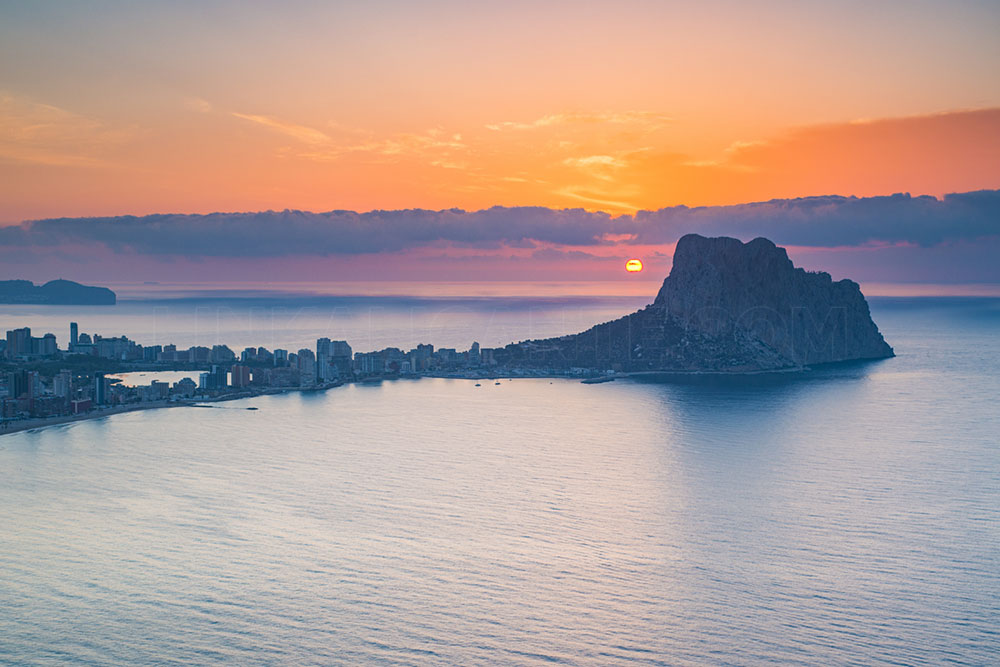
726, 307
55, 293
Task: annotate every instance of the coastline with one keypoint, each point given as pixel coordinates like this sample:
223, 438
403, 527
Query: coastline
7, 428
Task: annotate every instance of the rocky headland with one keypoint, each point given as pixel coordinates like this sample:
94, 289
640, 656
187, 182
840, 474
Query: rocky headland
55, 292
726, 306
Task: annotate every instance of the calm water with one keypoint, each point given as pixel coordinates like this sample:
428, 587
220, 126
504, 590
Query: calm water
296, 321
850, 516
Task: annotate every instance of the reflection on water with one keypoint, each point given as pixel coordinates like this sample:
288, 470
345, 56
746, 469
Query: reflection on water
847, 515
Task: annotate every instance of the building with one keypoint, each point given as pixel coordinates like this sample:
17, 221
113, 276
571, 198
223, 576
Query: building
307, 366
62, 384
84, 345
324, 348
324, 351
101, 389
20, 384
420, 357
369, 362
119, 348
446, 356
45, 346
185, 387
158, 391
221, 376
340, 349
18, 343
341, 357
240, 375
221, 354
74, 335
21, 344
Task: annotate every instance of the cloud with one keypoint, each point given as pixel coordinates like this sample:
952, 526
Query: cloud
303, 133
35, 133
299, 233
326, 148
198, 104
608, 200
648, 118
822, 222
594, 161
834, 221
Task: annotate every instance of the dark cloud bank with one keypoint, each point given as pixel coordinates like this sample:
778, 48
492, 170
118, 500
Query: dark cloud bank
830, 221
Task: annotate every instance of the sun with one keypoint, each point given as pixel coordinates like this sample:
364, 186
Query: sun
633, 266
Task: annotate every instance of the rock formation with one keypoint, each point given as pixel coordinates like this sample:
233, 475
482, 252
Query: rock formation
726, 306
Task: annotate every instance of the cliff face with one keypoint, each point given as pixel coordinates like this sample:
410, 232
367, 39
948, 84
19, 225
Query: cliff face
721, 285
55, 292
726, 306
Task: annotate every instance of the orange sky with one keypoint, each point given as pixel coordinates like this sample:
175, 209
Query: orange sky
133, 108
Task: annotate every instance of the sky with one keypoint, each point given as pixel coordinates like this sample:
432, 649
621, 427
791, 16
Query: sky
614, 110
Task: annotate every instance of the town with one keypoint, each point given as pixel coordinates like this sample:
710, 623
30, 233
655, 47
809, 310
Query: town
40, 381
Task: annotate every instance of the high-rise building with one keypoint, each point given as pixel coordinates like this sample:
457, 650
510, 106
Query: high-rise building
74, 335
45, 346
240, 375
220, 377
19, 384
222, 354
62, 384
100, 389
18, 343
306, 362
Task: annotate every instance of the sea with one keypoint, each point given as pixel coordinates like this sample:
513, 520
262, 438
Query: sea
846, 515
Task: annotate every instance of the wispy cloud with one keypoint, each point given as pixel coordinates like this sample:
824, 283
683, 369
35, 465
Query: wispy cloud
648, 118
198, 104
36, 133
325, 147
611, 201
594, 161
303, 133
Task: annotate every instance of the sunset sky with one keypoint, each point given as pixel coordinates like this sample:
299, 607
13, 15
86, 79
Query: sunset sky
126, 108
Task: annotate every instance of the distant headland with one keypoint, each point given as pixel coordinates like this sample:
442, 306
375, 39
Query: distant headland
55, 293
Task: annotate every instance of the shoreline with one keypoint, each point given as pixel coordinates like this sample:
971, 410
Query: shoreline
7, 428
